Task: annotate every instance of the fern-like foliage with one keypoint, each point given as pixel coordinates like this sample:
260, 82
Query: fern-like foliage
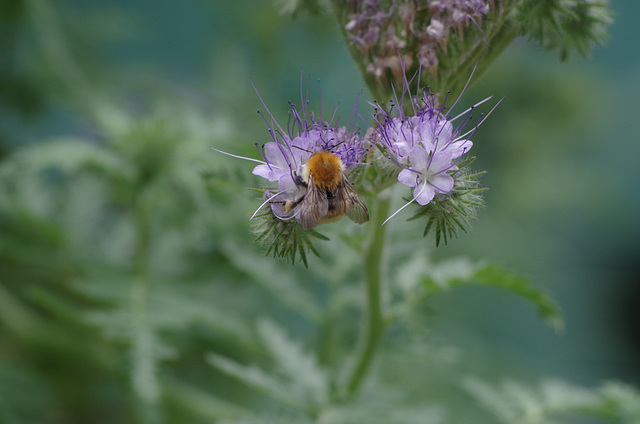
294, 377
556, 402
418, 278
100, 261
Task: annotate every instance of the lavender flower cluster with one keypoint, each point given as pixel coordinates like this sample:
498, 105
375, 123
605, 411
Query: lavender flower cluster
414, 137
425, 144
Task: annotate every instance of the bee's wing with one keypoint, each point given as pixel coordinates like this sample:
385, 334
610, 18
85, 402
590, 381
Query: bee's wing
313, 207
356, 208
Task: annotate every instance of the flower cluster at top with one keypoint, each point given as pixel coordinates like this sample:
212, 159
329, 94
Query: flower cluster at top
380, 29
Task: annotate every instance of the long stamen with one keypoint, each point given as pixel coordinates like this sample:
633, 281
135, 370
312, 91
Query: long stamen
465, 86
239, 157
271, 132
264, 203
407, 204
472, 107
319, 100
354, 111
265, 106
334, 115
483, 119
398, 211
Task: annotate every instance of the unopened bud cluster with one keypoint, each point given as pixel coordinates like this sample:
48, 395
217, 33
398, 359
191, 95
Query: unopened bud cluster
390, 34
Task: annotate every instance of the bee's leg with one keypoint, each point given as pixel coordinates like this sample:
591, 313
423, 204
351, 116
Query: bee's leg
290, 204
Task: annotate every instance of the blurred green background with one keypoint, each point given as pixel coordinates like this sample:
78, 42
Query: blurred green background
562, 208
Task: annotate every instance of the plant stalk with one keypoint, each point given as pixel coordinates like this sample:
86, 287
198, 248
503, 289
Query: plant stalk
143, 367
374, 322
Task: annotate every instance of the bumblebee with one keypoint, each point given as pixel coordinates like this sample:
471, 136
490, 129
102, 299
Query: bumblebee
328, 194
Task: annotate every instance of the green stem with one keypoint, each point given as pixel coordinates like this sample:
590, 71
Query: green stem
374, 323
143, 372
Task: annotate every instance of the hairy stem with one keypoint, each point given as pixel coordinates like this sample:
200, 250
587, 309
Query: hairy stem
374, 322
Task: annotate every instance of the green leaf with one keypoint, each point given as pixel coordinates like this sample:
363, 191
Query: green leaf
300, 367
256, 378
494, 275
202, 402
555, 401
622, 400
69, 156
461, 271
295, 377
281, 281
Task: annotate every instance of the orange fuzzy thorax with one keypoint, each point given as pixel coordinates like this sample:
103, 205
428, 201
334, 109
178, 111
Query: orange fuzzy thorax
325, 168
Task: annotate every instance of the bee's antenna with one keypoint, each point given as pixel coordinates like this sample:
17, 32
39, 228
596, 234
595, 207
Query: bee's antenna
300, 148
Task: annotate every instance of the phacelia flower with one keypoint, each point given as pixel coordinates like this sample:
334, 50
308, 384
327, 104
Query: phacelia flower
427, 145
285, 158
309, 146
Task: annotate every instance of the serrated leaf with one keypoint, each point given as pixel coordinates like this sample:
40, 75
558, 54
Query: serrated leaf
202, 402
68, 155
281, 282
623, 399
256, 378
555, 401
456, 272
300, 367
566, 25
494, 275
492, 400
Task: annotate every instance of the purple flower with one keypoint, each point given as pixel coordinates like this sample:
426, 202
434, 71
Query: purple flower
428, 174
284, 158
426, 144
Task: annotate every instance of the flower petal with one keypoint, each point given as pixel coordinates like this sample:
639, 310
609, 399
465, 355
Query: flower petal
442, 182
459, 148
419, 158
275, 155
408, 177
423, 193
277, 163
440, 162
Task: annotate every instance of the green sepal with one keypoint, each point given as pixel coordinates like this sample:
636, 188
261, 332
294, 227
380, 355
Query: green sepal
456, 210
285, 239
